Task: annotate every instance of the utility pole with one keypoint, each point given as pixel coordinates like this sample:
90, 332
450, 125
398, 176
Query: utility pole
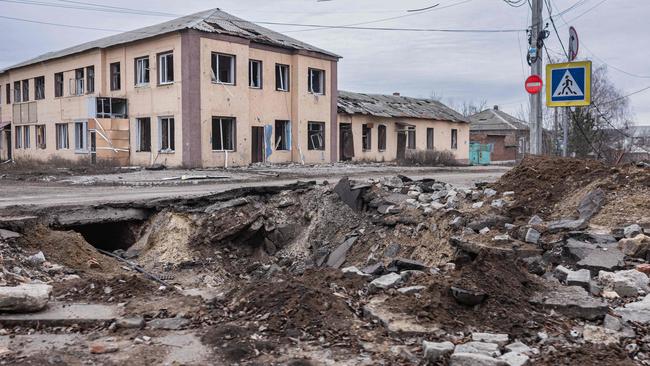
536, 65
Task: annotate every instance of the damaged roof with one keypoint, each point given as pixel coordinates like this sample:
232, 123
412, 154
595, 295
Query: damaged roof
396, 106
495, 119
209, 21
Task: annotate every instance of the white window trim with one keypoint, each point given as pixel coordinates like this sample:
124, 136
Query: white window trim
234, 143
160, 123
60, 135
140, 70
322, 81
283, 83
215, 75
84, 149
259, 73
163, 67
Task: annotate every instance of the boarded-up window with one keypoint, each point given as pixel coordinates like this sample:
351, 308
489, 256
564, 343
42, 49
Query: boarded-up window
429, 138
223, 134
366, 137
282, 133
454, 138
381, 137
143, 134
410, 138
316, 135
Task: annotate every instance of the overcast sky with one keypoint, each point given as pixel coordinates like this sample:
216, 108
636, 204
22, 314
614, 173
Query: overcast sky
456, 66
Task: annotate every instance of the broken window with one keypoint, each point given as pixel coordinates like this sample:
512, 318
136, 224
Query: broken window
316, 136
381, 137
167, 134
116, 81
166, 68
410, 138
81, 136
19, 137
316, 81
454, 138
366, 137
39, 86
223, 68
111, 108
429, 138
282, 77
142, 70
282, 133
90, 79
143, 134
25, 91
255, 74
62, 136
17, 90
58, 84
40, 137
78, 87
223, 134
26, 139
8, 93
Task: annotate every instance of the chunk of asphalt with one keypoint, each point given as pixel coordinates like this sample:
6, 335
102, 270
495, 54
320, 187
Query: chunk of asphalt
500, 339
168, 323
434, 351
484, 348
404, 264
386, 281
572, 301
338, 256
374, 269
580, 278
350, 196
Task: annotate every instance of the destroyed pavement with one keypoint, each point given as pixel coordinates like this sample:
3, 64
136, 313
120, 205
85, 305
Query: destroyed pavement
545, 266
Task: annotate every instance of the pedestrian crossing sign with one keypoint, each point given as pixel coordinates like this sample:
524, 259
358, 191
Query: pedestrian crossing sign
568, 84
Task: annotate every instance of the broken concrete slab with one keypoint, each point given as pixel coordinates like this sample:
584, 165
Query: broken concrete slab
566, 225
580, 278
600, 335
561, 273
7, 234
602, 260
500, 339
354, 270
514, 359
518, 347
392, 250
235, 202
350, 196
338, 256
386, 281
535, 220
95, 215
168, 323
395, 323
60, 314
632, 230
474, 359
572, 301
636, 311
491, 221
532, 236
411, 289
592, 237
434, 351
577, 249
374, 269
591, 204
484, 348
136, 322
629, 283
24, 298
404, 264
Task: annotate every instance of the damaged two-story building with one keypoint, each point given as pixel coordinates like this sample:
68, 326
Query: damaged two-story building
208, 89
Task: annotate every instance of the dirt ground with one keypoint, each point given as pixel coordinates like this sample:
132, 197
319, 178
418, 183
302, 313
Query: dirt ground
288, 276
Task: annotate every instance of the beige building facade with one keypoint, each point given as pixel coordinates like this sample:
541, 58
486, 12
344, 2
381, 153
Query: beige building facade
386, 127
207, 90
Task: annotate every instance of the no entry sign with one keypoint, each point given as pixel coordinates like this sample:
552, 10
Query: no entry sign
534, 84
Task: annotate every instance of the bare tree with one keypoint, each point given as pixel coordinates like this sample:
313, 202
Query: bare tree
466, 108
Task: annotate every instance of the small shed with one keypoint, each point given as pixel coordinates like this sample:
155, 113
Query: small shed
507, 136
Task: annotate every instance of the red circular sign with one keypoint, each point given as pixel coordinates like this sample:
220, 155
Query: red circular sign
534, 84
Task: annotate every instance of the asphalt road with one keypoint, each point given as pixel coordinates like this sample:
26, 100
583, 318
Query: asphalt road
16, 193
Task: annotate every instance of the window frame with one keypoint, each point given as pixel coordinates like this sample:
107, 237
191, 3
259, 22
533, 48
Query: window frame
18, 89
284, 142
79, 78
138, 70
279, 78
115, 75
213, 143
366, 137
26, 138
164, 68
454, 139
58, 85
310, 86
41, 137
214, 67
81, 142
171, 137
8, 93
25, 89
39, 88
410, 131
59, 129
18, 138
139, 134
431, 143
381, 138
310, 133
90, 79
260, 73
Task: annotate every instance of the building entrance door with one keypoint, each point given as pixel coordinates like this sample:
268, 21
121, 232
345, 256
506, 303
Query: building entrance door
257, 142
346, 149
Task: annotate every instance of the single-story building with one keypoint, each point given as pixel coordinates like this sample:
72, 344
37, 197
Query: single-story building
508, 136
375, 127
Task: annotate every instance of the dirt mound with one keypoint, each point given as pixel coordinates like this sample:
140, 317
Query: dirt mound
69, 249
506, 309
118, 289
587, 354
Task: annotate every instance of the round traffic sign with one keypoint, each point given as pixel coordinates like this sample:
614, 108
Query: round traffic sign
534, 84
574, 44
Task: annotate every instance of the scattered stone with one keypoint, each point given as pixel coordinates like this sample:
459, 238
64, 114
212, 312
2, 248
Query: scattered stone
502, 238
168, 323
500, 339
627, 283
434, 351
468, 297
395, 323
424, 198
603, 260
474, 359
518, 347
130, 323
489, 192
403, 264
484, 348
392, 182
579, 250
350, 196
600, 335
515, 359
580, 278
374, 269
532, 236
535, 220
509, 226
644, 268
498, 203
572, 301
562, 225
392, 250
24, 298
457, 222
388, 209
632, 231
437, 205
7, 234
508, 193
354, 270
386, 281
636, 311
637, 247
338, 256
535, 265
411, 289
484, 230
591, 204
101, 348
478, 204
612, 323
37, 258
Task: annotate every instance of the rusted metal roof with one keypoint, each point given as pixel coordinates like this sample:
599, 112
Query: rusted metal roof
210, 21
394, 106
495, 119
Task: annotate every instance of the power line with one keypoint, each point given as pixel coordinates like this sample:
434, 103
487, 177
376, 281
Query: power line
71, 26
550, 15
